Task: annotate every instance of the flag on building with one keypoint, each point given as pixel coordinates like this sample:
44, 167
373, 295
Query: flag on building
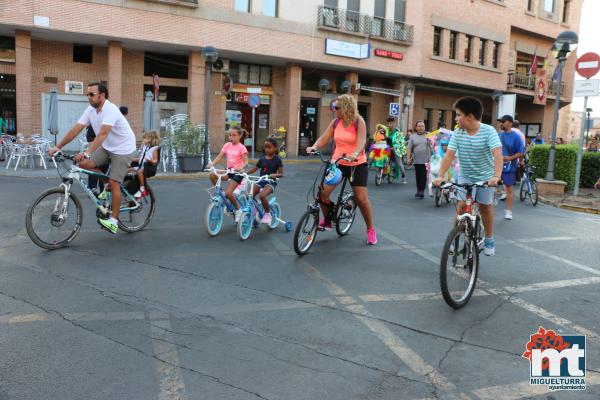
541, 88
533, 66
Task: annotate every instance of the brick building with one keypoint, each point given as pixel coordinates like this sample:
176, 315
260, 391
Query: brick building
421, 53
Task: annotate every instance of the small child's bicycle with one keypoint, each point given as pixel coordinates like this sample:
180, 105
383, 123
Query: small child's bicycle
220, 204
342, 213
253, 210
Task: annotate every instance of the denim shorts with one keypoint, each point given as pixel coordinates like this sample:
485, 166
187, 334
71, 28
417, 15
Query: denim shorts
483, 196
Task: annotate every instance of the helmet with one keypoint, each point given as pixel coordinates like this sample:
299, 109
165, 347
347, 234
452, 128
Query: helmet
333, 176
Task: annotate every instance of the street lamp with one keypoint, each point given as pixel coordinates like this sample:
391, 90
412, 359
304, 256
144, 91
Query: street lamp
210, 56
565, 43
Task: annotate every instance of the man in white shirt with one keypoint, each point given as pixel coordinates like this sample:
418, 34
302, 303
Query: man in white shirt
114, 144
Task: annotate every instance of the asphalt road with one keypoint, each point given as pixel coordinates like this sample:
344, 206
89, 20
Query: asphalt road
171, 314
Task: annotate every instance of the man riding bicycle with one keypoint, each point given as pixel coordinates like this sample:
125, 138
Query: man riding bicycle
114, 144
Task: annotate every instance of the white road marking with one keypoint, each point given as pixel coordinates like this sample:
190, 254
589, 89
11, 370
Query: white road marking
169, 376
557, 258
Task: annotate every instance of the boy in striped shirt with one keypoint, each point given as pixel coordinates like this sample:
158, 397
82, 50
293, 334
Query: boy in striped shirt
479, 153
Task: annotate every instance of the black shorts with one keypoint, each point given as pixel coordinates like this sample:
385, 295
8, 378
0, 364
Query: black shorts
357, 175
150, 170
235, 177
272, 183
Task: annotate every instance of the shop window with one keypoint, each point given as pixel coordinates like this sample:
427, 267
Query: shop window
482, 51
7, 49
166, 65
468, 43
82, 53
453, 37
441, 120
172, 94
427, 117
242, 6
496, 54
437, 37
252, 74
270, 8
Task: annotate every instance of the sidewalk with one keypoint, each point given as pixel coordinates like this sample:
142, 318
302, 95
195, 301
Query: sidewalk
588, 201
28, 172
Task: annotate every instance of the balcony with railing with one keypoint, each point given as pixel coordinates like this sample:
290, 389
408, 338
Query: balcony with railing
526, 82
352, 22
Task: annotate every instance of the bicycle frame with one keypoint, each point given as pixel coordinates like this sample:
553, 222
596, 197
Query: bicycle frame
315, 207
219, 195
471, 213
253, 205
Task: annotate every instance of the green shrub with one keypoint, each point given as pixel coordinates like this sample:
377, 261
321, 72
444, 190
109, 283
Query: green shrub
189, 139
565, 164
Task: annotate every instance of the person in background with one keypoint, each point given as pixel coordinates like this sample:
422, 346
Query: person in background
593, 144
148, 161
124, 110
419, 154
397, 143
560, 141
512, 150
2, 123
539, 139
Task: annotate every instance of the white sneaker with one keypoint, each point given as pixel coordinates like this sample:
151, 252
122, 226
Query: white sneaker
266, 219
508, 214
404, 181
502, 197
238, 215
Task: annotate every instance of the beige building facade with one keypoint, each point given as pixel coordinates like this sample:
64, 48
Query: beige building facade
423, 54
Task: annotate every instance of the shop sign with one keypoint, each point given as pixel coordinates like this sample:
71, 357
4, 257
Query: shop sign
389, 54
347, 49
73, 87
311, 110
254, 90
243, 98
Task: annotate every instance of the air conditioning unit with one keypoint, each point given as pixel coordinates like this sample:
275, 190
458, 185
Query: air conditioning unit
221, 65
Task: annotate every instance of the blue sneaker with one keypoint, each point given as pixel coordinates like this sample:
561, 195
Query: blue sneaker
489, 246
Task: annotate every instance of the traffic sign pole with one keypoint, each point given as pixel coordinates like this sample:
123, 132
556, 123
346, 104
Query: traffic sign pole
580, 149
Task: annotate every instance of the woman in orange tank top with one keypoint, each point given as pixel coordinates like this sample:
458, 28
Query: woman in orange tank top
349, 133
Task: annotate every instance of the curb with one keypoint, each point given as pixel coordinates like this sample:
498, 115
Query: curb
556, 204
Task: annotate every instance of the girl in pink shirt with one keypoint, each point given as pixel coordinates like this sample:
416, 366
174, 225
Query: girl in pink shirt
236, 155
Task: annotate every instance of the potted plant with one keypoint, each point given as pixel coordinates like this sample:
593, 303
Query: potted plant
188, 140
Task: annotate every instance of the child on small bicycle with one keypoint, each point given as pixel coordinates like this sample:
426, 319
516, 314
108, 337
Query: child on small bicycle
236, 155
270, 164
148, 161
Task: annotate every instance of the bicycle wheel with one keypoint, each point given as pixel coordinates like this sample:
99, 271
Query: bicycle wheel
214, 218
52, 221
275, 215
533, 196
137, 219
245, 225
306, 232
459, 265
379, 176
346, 214
522, 190
437, 197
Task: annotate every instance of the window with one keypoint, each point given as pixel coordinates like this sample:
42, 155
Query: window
172, 94
250, 74
310, 81
353, 15
427, 116
437, 37
468, 43
453, 36
565, 16
496, 52
82, 53
165, 65
400, 11
331, 3
379, 20
7, 49
270, 8
549, 6
482, 44
242, 6
530, 5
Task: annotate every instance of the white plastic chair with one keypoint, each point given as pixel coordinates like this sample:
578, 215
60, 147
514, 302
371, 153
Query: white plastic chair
18, 151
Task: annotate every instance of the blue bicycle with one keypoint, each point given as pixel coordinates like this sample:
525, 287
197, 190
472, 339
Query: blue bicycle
528, 186
220, 204
253, 210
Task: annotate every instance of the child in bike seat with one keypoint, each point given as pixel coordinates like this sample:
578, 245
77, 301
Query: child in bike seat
380, 152
148, 161
236, 155
269, 164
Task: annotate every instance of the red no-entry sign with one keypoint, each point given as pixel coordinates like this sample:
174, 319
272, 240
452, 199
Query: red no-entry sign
588, 65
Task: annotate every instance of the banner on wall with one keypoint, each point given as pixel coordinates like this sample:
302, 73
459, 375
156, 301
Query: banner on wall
541, 88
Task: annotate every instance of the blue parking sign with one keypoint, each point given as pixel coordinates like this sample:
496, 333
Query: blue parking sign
394, 109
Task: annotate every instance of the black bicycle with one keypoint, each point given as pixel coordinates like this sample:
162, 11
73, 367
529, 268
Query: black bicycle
528, 186
459, 263
342, 213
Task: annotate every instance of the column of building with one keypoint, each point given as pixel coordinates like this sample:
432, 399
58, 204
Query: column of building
23, 76
115, 72
293, 88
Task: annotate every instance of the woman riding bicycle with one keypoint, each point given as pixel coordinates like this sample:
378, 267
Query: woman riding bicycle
349, 132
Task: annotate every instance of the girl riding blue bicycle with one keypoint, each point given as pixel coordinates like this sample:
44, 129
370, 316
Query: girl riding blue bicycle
269, 164
237, 159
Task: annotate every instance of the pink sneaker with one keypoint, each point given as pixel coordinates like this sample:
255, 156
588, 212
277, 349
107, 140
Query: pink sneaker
326, 227
371, 236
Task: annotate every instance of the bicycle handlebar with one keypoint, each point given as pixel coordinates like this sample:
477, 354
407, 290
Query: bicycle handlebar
318, 153
481, 184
